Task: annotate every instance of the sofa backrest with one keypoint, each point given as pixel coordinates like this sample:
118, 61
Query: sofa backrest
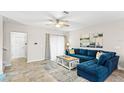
77, 51
111, 53
91, 53
85, 52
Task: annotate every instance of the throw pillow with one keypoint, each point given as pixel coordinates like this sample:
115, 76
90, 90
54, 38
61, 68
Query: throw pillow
71, 51
102, 59
98, 54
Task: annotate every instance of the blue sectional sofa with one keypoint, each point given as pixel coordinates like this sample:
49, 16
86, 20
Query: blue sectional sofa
93, 69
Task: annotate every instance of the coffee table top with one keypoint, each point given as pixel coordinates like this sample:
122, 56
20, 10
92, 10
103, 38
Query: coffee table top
67, 58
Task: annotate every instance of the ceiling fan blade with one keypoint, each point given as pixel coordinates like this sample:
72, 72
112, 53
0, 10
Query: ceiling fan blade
64, 17
65, 21
74, 22
67, 25
51, 21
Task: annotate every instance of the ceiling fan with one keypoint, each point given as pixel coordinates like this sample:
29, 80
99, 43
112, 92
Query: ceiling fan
59, 22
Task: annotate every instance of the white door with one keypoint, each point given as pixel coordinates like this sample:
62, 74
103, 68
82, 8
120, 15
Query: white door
18, 45
56, 46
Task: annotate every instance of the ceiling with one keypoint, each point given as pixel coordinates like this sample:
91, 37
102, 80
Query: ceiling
77, 19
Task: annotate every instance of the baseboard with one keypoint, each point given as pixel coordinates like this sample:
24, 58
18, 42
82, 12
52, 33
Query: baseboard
2, 77
121, 68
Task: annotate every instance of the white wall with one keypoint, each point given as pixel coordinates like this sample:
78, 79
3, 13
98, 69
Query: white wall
113, 39
1, 45
35, 35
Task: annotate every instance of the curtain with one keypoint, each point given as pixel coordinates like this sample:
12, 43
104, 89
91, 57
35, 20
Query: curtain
66, 41
57, 46
47, 47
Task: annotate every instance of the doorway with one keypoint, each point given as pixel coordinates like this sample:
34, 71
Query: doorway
18, 45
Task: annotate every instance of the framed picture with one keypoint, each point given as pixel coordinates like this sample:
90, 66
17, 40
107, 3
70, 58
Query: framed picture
92, 40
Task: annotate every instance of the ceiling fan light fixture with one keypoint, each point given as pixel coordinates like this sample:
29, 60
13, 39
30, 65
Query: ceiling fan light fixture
58, 25
61, 23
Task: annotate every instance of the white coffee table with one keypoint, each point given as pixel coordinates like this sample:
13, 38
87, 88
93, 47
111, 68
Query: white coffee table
67, 61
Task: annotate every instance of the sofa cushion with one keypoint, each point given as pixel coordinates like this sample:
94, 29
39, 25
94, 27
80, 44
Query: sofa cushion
77, 51
104, 57
91, 53
83, 52
92, 68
